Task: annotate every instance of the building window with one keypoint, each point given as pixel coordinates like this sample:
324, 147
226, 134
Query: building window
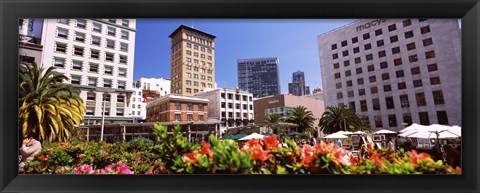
430, 54
107, 83
335, 56
407, 119
427, 42
348, 73
417, 83
413, 58
424, 120
356, 50
96, 40
111, 31
338, 85
337, 75
92, 81
90, 111
124, 35
345, 53
380, 43
109, 57
387, 88
91, 96
372, 79
432, 67
81, 23
108, 70
438, 97
121, 84
425, 29
368, 46
123, 46
420, 97
123, 59
78, 51
359, 70
106, 97
358, 60
63, 21
378, 32
76, 79
396, 50
366, 36
60, 47
93, 68
77, 65
415, 70
411, 46
392, 27
350, 93
392, 120
336, 66
344, 43
79, 37
97, 27
385, 76
408, 34
349, 83
369, 57
374, 90
378, 121
382, 54
370, 68
188, 90
188, 82
334, 46
435, 80
177, 117
354, 40
394, 39
125, 22
399, 73
59, 62
376, 104
397, 61
442, 117
383, 65
339, 95
404, 101
402, 85
407, 22
63, 33
346, 63
389, 101
111, 44
363, 105
120, 99
95, 54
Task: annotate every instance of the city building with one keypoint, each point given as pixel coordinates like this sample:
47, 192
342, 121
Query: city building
395, 71
176, 108
282, 104
193, 61
259, 76
29, 42
297, 87
97, 56
233, 107
146, 89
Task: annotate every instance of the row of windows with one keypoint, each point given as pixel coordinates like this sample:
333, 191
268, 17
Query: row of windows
197, 69
393, 27
442, 118
404, 101
92, 67
385, 76
96, 27
196, 47
119, 112
91, 96
237, 96
93, 81
93, 54
94, 40
237, 106
199, 40
230, 115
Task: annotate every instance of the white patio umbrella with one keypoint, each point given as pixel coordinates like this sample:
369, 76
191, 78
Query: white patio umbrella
345, 132
430, 135
384, 131
413, 127
336, 136
359, 132
252, 136
457, 130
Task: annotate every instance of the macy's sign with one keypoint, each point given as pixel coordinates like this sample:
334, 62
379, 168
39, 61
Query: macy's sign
370, 24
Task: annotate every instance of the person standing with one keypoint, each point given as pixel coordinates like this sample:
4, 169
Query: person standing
30, 148
339, 143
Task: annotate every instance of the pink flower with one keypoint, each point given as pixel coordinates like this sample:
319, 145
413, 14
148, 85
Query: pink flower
123, 169
108, 168
149, 171
84, 169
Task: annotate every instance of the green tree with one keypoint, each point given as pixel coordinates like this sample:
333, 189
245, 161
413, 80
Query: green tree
48, 108
340, 118
272, 120
303, 118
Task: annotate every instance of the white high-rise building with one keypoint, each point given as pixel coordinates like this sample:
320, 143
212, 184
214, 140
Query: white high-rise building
97, 56
146, 88
395, 71
233, 107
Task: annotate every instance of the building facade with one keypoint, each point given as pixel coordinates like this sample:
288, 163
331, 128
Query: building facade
395, 71
176, 108
233, 107
298, 87
144, 90
192, 61
29, 42
97, 56
259, 76
282, 104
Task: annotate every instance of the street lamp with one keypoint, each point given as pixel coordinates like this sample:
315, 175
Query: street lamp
104, 90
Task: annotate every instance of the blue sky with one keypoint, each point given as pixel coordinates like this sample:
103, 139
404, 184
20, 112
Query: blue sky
293, 41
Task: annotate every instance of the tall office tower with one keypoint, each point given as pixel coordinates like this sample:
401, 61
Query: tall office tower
97, 56
193, 61
297, 86
259, 76
395, 71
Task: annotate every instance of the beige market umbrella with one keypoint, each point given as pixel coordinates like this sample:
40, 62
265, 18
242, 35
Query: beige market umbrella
336, 136
384, 131
252, 136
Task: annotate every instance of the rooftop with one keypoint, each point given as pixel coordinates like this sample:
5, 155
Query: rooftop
189, 28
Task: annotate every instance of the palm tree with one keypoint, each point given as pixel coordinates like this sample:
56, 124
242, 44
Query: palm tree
273, 119
49, 109
302, 117
338, 118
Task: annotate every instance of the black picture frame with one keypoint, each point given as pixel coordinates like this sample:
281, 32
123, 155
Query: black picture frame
11, 10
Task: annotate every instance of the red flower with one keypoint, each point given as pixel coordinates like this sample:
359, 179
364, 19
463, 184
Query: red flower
355, 160
259, 154
103, 152
307, 156
192, 157
252, 143
415, 157
271, 142
41, 158
377, 159
206, 150
81, 156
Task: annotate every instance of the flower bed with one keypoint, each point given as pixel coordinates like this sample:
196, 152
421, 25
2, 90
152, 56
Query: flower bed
174, 154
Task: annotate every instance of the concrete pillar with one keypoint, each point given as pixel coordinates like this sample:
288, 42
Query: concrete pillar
88, 134
188, 133
124, 130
